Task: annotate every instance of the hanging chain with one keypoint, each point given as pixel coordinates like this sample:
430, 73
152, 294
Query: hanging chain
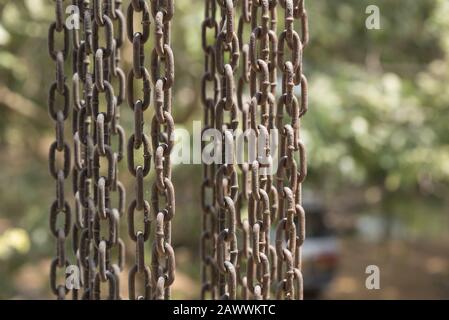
99, 179
59, 148
230, 212
78, 148
84, 148
289, 177
261, 63
162, 135
158, 278
249, 212
226, 179
208, 202
118, 133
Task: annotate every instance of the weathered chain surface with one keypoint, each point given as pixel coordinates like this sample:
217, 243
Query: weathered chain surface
226, 179
291, 174
230, 212
96, 184
248, 213
60, 170
158, 278
208, 202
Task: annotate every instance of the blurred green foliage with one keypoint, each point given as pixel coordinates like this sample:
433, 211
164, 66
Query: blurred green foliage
376, 122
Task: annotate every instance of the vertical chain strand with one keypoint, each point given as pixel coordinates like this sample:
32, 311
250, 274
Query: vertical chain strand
290, 174
226, 178
118, 133
162, 137
209, 90
105, 160
60, 170
139, 143
249, 212
261, 57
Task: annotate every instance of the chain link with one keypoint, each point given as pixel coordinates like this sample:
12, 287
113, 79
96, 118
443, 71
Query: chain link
95, 68
290, 174
60, 170
158, 278
241, 206
245, 205
209, 93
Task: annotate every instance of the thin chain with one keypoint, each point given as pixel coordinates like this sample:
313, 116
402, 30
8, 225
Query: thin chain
289, 177
59, 148
245, 164
103, 124
117, 132
79, 144
84, 148
160, 277
262, 78
209, 94
226, 179
139, 142
162, 136
258, 266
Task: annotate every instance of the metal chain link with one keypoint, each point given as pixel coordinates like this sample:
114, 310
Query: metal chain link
262, 79
248, 213
162, 136
94, 68
232, 214
290, 174
158, 278
226, 179
209, 97
60, 170
84, 148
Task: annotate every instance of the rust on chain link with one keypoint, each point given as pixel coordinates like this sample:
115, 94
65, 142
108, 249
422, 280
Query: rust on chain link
242, 204
155, 21
291, 174
241, 208
98, 142
60, 150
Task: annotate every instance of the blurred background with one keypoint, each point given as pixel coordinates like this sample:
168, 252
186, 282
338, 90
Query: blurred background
376, 134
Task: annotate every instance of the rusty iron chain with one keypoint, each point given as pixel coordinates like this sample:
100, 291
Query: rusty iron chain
83, 79
226, 177
160, 276
94, 69
59, 109
291, 174
162, 136
106, 45
259, 110
249, 204
240, 206
139, 143
209, 97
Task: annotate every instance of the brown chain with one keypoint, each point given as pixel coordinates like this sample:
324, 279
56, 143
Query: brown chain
59, 148
232, 215
160, 277
162, 135
117, 131
226, 179
84, 148
257, 266
290, 174
93, 131
262, 79
208, 201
